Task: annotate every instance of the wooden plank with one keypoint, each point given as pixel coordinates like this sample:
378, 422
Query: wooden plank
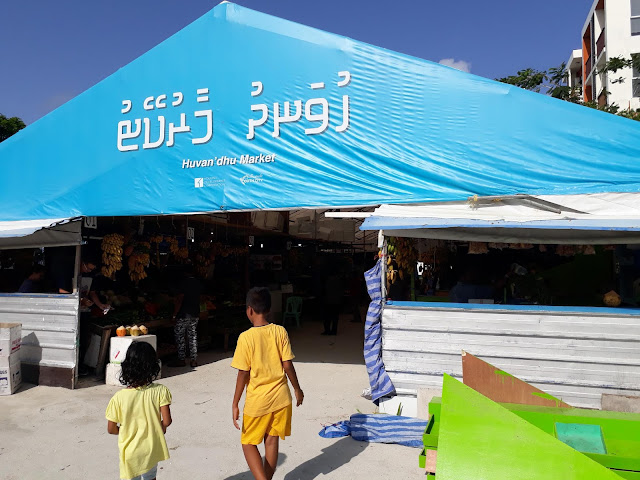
432, 460
49, 376
501, 386
105, 340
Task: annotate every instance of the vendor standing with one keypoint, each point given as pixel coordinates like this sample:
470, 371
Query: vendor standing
186, 316
33, 283
88, 295
88, 298
468, 288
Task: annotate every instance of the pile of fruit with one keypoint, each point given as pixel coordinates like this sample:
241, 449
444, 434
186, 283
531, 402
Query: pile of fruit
112, 254
402, 254
173, 245
134, 330
138, 261
156, 239
227, 250
612, 299
203, 259
124, 315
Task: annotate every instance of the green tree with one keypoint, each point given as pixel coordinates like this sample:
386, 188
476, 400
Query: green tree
9, 126
553, 82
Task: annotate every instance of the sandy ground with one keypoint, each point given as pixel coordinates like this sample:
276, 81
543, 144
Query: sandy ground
56, 433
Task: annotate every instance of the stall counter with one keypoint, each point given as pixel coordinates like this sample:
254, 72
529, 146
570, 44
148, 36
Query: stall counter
574, 353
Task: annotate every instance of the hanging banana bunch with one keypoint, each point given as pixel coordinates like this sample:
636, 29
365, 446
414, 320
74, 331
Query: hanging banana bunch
111, 254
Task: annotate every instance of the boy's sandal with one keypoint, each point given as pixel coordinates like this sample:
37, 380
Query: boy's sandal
194, 364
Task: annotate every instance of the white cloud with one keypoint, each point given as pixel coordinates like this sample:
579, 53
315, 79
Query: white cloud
458, 64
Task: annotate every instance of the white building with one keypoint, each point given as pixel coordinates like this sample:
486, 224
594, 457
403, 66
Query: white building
612, 29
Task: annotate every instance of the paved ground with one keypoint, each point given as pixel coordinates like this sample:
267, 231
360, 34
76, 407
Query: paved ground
55, 433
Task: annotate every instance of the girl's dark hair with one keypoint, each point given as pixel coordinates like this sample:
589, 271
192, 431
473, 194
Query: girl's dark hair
259, 299
140, 366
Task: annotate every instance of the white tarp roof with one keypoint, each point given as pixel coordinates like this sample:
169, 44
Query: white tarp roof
569, 219
56, 232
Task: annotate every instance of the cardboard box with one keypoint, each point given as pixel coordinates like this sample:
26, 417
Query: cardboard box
120, 345
112, 374
10, 373
10, 338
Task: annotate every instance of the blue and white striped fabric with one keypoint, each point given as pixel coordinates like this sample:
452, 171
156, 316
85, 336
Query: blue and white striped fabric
379, 429
405, 431
379, 380
340, 429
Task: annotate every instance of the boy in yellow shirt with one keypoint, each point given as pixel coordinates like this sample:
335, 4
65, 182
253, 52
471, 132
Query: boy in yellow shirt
263, 358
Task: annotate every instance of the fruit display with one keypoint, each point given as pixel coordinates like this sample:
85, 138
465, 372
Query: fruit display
138, 261
203, 259
612, 299
156, 239
478, 248
124, 316
134, 331
151, 308
173, 245
112, 254
403, 252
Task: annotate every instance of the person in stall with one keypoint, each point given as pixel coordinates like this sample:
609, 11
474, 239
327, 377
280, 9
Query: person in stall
88, 299
33, 283
88, 295
469, 288
333, 297
186, 316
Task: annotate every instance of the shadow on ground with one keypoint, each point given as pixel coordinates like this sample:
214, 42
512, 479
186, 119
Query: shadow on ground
308, 345
331, 459
247, 475
346, 347
204, 358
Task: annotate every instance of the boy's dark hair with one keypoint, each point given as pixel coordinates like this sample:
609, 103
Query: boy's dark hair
259, 299
140, 366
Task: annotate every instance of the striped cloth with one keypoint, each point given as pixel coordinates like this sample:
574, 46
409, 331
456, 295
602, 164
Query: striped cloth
379, 429
380, 382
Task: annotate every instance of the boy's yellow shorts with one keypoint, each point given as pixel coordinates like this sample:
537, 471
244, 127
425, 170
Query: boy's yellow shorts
276, 424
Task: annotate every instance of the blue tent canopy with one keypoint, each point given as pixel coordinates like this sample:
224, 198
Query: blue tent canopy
241, 110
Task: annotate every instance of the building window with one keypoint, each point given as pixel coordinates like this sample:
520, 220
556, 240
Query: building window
635, 17
635, 82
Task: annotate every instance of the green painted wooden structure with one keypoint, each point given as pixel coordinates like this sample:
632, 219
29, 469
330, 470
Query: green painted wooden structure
483, 440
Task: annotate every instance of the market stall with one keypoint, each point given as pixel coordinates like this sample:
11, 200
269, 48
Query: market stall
358, 126
143, 264
545, 287
49, 322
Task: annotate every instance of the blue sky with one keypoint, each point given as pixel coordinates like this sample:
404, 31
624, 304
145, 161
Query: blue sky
52, 51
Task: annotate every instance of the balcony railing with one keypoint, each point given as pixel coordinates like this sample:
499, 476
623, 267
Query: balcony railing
600, 44
587, 67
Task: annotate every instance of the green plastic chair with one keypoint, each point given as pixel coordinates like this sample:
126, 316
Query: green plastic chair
293, 310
